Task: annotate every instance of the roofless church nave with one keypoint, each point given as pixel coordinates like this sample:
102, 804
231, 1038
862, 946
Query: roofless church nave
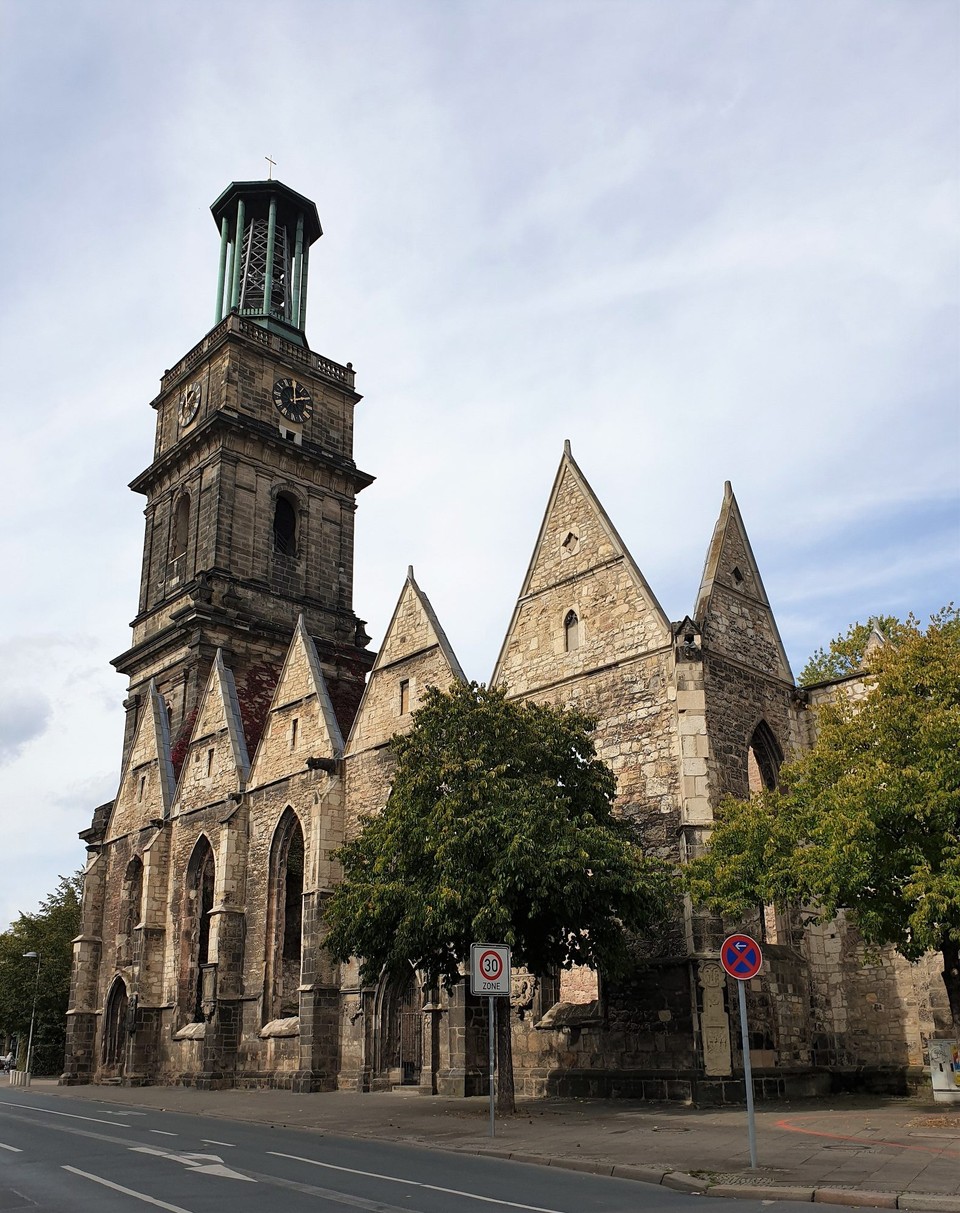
257, 732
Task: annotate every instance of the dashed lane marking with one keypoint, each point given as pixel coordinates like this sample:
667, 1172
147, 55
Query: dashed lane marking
12, 1149
163, 1133
108, 1183
209, 1141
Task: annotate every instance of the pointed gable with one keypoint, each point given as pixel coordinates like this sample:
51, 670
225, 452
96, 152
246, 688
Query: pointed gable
146, 785
415, 654
301, 723
732, 605
584, 602
216, 762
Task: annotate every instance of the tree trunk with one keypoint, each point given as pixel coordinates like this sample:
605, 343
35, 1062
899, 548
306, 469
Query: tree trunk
505, 1099
951, 979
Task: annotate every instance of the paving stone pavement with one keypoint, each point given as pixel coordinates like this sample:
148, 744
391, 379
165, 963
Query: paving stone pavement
873, 1152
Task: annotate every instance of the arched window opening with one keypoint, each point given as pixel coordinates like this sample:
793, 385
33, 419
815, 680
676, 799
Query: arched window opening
571, 631
115, 1027
764, 759
400, 1029
131, 903
181, 528
293, 899
201, 881
285, 920
285, 526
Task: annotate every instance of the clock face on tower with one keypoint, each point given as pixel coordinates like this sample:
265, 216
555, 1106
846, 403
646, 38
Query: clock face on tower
292, 399
189, 404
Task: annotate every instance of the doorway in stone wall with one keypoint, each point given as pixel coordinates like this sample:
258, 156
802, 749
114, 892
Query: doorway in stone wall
401, 1031
115, 1029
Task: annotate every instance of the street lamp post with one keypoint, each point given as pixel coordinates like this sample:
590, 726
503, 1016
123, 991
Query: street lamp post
33, 1014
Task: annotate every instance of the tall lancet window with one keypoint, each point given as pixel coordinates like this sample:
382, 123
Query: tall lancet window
181, 528
132, 899
201, 881
285, 920
571, 632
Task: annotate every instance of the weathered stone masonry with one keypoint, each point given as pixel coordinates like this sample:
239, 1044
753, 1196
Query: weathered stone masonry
258, 735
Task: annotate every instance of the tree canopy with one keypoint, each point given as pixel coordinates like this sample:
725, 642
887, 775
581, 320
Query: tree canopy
499, 828
868, 819
847, 654
49, 932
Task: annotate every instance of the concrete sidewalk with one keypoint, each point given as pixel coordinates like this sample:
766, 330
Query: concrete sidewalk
883, 1153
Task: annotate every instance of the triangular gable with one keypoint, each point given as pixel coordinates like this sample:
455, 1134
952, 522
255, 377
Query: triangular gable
216, 763
579, 563
301, 723
732, 605
146, 785
415, 652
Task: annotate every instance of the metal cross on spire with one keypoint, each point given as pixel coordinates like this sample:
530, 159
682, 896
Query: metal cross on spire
273, 165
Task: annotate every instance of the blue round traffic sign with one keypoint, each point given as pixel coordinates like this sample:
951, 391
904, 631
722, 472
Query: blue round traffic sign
741, 957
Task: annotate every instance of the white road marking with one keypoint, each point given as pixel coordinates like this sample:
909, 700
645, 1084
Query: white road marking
114, 1124
12, 1149
107, 1183
163, 1133
209, 1141
413, 1183
125, 1113
206, 1164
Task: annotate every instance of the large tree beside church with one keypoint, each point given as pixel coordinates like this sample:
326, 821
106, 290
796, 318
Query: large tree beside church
499, 828
49, 933
869, 819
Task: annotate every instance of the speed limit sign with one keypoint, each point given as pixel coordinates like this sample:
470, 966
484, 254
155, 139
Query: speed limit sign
489, 968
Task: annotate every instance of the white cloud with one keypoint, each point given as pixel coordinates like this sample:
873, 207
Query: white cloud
705, 241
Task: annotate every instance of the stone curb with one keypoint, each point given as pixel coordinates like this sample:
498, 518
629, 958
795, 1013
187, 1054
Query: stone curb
768, 1192
857, 1197
680, 1181
928, 1201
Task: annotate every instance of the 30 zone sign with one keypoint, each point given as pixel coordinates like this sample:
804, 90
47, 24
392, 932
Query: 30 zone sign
489, 968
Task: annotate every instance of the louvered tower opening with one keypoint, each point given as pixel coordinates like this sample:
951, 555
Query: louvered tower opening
254, 254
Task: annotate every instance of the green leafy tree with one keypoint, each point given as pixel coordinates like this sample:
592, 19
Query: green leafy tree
49, 932
869, 819
499, 828
847, 654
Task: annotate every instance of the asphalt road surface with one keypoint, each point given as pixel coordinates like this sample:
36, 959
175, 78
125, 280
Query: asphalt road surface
96, 1159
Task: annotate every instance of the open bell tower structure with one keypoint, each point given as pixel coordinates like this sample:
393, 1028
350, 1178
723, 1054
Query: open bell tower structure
251, 493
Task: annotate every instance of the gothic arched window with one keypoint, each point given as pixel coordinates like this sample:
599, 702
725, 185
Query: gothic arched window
285, 919
764, 759
285, 526
201, 881
181, 528
132, 899
571, 631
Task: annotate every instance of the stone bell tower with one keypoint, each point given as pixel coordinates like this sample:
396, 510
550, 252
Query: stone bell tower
251, 495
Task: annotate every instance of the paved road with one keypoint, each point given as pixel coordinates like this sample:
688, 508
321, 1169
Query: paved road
57, 1158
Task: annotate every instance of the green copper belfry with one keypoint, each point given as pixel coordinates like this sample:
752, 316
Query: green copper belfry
266, 230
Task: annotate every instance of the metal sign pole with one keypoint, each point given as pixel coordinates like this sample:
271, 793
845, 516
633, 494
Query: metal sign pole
492, 1051
747, 1074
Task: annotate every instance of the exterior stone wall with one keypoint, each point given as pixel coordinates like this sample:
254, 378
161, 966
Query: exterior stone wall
248, 672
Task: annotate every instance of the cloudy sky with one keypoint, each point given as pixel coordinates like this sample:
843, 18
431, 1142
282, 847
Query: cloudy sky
702, 239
